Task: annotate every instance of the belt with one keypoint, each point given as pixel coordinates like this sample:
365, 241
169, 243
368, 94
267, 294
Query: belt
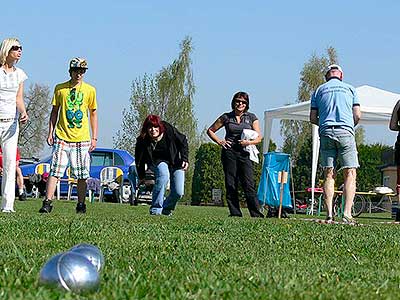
7, 120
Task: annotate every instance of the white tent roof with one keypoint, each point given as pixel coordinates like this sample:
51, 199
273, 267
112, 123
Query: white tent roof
376, 108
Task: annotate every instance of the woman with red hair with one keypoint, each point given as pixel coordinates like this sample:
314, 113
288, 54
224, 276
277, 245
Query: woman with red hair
165, 151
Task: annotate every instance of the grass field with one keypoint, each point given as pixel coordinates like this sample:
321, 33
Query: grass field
200, 253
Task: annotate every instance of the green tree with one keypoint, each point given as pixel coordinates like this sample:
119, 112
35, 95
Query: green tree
302, 167
360, 135
33, 134
208, 173
370, 158
168, 94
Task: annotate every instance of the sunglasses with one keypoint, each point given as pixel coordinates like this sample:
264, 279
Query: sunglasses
16, 48
240, 102
79, 70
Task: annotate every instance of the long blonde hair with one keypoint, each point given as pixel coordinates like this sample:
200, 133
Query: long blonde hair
5, 48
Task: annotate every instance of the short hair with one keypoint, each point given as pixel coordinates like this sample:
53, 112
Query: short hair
5, 48
151, 121
241, 95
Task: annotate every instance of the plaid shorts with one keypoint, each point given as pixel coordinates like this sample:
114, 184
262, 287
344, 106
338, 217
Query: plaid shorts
72, 154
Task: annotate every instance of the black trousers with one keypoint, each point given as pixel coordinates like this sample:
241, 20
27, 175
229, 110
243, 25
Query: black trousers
239, 168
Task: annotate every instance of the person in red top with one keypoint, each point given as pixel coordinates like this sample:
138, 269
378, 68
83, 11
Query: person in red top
18, 173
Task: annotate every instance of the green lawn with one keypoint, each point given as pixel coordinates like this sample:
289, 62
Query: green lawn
200, 253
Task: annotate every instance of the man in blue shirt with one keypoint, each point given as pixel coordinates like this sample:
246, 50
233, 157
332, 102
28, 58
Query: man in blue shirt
335, 108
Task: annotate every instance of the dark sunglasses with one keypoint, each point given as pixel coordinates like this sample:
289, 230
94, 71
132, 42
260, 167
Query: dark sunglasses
240, 102
79, 70
16, 48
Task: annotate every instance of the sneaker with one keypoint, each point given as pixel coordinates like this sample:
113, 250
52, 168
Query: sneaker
5, 210
22, 197
46, 207
329, 220
81, 208
349, 220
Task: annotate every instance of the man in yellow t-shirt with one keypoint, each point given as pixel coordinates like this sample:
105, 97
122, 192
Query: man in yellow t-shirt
73, 116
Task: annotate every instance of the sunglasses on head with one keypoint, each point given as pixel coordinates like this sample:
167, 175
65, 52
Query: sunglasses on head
16, 48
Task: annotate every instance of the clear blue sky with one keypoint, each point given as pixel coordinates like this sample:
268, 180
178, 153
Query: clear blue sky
256, 46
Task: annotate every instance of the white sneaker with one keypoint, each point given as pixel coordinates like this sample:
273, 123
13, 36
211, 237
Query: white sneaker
5, 210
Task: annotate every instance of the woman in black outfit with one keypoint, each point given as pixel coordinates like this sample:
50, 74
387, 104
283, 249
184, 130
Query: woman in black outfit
235, 160
165, 151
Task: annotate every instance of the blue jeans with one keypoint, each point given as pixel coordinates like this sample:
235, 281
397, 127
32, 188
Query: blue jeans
338, 144
163, 176
133, 179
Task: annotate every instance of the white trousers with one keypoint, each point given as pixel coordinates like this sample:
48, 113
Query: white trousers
9, 140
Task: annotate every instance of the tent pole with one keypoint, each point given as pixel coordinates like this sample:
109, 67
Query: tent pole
291, 178
267, 131
315, 150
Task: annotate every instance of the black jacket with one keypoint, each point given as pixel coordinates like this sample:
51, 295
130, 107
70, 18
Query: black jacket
177, 146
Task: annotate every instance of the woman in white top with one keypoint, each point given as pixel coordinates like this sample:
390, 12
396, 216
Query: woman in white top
12, 107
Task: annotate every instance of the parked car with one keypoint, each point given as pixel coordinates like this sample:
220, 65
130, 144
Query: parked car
100, 158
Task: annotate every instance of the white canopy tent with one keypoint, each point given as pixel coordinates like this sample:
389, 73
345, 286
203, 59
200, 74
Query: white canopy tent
376, 108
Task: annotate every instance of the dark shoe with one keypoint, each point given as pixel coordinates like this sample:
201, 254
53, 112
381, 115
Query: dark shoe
398, 216
166, 212
81, 208
22, 197
272, 212
284, 215
256, 214
329, 220
46, 207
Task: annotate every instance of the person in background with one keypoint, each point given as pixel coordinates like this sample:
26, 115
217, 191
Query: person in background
335, 108
165, 151
73, 114
18, 173
394, 125
235, 159
12, 108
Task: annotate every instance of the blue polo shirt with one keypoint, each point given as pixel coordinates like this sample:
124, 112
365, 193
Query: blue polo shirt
334, 101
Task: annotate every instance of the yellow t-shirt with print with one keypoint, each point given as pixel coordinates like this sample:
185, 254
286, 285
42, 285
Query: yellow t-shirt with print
74, 103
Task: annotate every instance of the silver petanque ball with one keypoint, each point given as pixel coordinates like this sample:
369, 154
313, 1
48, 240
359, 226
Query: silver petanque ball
70, 271
92, 253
